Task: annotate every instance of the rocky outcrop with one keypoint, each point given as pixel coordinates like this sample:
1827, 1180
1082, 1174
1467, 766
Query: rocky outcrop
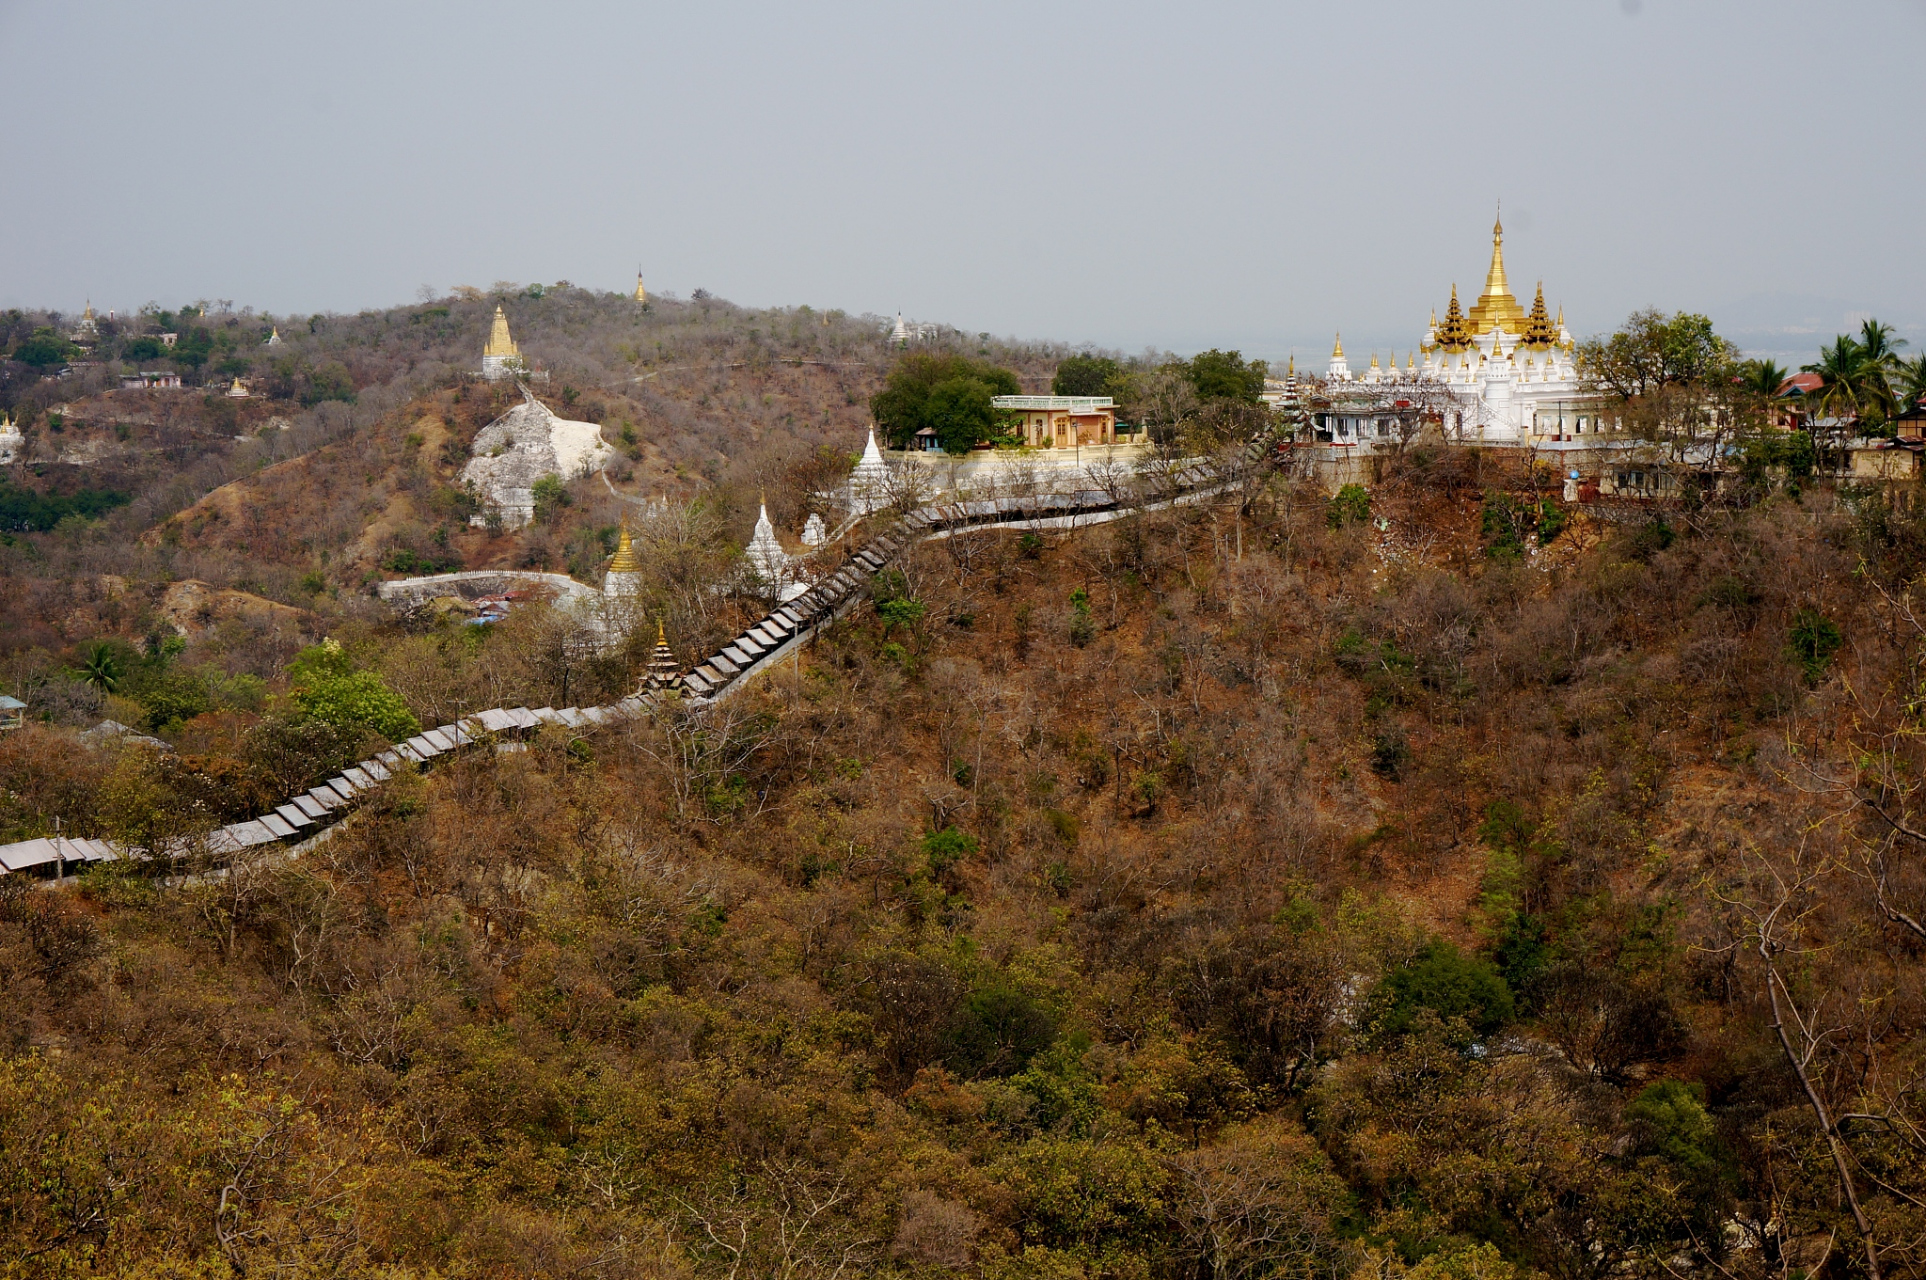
523, 445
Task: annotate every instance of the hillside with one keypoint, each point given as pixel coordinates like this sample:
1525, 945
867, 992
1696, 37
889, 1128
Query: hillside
343, 456
1238, 889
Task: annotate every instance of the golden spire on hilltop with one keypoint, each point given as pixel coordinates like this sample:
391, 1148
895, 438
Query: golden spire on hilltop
499, 343
641, 294
625, 561
1337, 348
1496, 308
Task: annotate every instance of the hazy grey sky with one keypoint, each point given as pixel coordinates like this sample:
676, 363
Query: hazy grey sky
1252, 175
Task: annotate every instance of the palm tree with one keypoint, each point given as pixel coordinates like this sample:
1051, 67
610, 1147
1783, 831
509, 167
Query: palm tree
1881, 351
1762, 377
101, 668
1912, 381
1842, 376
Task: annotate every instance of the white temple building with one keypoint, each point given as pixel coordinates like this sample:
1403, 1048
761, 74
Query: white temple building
869, 482
767, 560
813, 533
12, 440
1507, 375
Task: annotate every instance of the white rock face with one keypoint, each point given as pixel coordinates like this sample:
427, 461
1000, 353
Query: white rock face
525, 444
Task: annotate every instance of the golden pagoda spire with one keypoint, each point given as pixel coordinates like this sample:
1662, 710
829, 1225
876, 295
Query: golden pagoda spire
624, 561
1495, 277
499, 343
1496, 308
660, 638
1374, 359
1337, 348
641, 294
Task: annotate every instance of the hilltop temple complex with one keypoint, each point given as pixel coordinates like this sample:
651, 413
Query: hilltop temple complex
1497, 373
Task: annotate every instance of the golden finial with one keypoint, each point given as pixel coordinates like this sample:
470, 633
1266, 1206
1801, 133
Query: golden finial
641, 294
1337, 348
1374, 359
1290, 369
659, 636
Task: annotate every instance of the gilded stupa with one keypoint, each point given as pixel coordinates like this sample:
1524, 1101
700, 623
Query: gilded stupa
662, 665
641, 294
1496, 308
624, 578
501, 358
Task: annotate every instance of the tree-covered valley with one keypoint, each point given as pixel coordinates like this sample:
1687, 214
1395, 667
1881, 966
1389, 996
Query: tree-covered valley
1342, 888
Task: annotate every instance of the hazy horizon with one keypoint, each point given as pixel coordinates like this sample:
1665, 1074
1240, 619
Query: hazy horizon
1126, 176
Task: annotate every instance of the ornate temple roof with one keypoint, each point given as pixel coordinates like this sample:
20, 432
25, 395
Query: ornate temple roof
1496, 308
1539, 330
1452, 334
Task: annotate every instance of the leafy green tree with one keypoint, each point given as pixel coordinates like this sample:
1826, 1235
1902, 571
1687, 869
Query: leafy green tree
961, 412
1352, 505
327, 687
1450, 984
44, 349
170, 694
1226, 375
330, 381
1812, 641
550, 496
1086, 376
1652, 350
1670, 379
903, 407
191, 349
